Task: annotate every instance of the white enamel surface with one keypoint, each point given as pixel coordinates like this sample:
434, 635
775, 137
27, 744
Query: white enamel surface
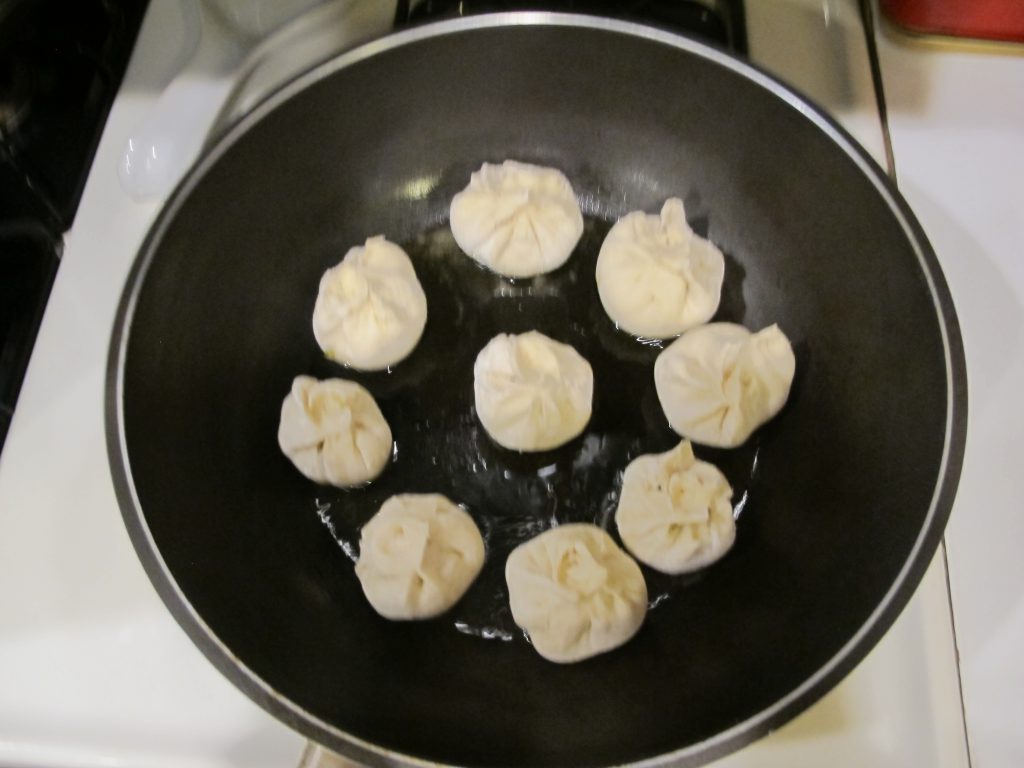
957, 123
223, 52
94, 671
160, 148
899, 708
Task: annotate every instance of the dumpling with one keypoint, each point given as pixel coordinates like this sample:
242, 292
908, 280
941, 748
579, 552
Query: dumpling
518, 219
720, 382
675, 511
333, 432
532, 393
656, 277
418, 555
371, 309
575, 592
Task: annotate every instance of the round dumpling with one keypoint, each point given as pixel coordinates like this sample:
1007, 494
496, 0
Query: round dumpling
333, 432
418, 555
371, 309
656, 277
720, 382
675, 512
575, 592
518, 219
532, 393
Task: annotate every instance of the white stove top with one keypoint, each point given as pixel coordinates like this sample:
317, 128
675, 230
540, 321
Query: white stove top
93, 669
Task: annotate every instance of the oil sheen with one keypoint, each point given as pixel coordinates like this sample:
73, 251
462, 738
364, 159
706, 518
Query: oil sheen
441, 447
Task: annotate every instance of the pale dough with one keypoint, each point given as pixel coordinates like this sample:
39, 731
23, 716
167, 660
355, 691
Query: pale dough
532, 393
518, 219
418, 555
719, 382
371, 310
675, 511
656, 277
575, 592
333, 431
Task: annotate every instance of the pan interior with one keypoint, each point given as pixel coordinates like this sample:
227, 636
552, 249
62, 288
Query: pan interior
834, 492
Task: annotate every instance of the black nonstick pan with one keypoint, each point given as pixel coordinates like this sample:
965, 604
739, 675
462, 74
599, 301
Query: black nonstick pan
841, 500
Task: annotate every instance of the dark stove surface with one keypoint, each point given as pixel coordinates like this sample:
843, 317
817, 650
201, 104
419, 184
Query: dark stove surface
28, 262
60, 66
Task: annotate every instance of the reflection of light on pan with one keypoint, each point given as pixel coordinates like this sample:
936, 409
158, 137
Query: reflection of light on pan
658, 600
608, 505
657, 343
591, 204
349, 550
553, 500
322, 510
739, 507
741, 504
418, 189
591, 450
540, 287
487, 633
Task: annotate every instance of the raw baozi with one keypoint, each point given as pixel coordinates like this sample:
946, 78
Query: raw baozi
656, 277
575, 592
719, 382
418, 555
519, 220
333, 432
371, 309
675, 511
532, 393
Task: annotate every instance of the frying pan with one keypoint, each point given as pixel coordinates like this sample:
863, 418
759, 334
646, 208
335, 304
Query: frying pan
841, 500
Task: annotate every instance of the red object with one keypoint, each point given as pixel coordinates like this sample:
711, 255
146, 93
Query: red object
986, 19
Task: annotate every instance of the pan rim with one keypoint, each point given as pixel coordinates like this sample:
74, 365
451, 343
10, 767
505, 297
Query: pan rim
729, 740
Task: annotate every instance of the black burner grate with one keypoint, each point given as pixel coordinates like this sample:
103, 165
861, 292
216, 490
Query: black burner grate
60, 67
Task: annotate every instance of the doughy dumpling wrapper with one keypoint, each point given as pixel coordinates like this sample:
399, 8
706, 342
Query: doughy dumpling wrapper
675, 511
518, 219
418, 555
333, 431
371, 309
719, 382
656, 277
575, 592
532, 393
